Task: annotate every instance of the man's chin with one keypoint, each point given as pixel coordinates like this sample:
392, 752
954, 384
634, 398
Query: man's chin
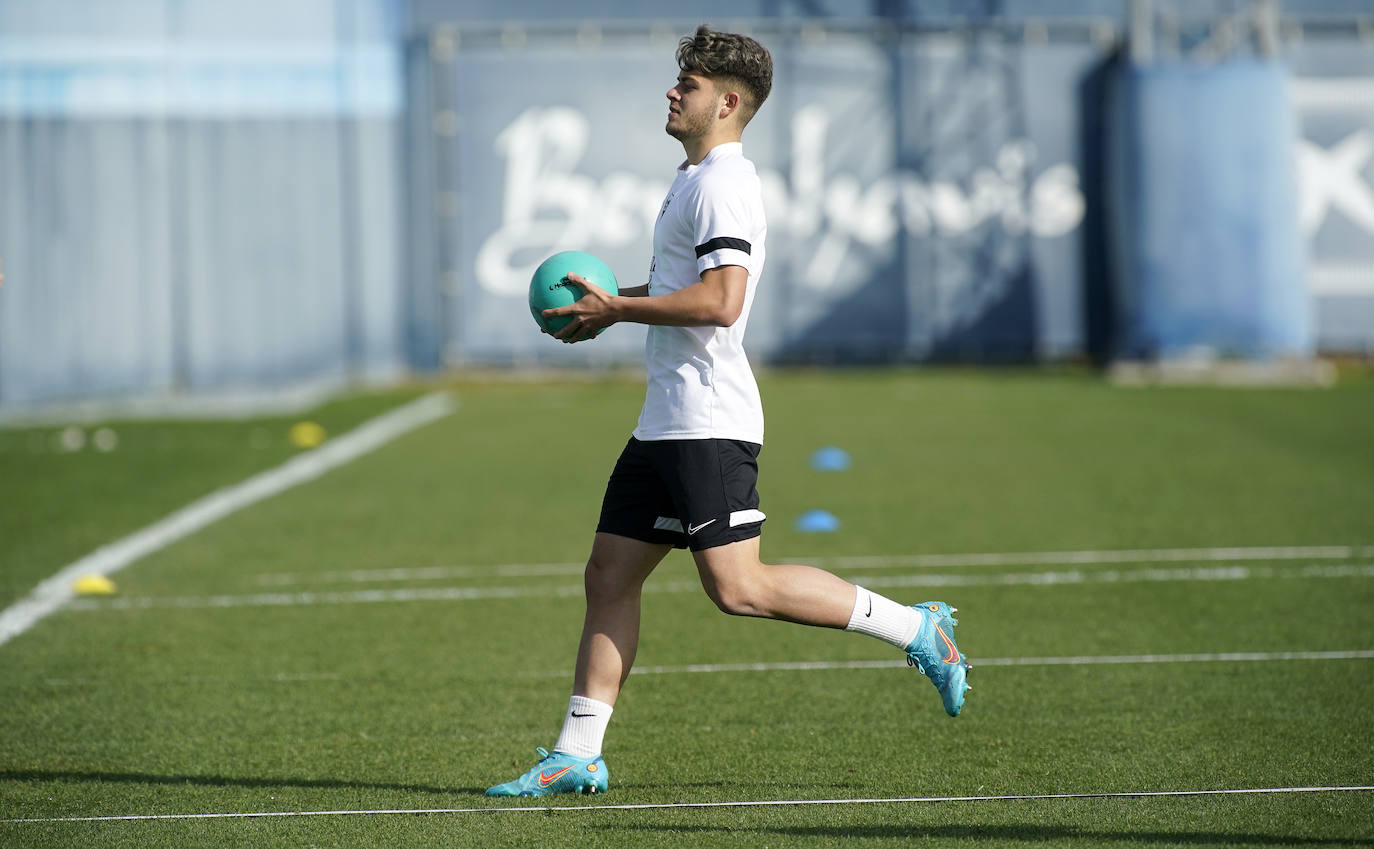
682, 131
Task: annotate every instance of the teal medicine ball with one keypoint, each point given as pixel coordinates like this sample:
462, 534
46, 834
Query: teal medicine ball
550, 287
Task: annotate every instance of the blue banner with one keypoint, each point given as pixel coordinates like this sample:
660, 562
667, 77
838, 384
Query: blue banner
923, 196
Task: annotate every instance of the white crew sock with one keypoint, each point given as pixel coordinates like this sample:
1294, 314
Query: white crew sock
584, 727
877, 616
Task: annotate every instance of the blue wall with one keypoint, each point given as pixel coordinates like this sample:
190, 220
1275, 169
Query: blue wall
1208, 250
197, 196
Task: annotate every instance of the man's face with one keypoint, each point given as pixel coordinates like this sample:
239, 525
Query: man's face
692, 107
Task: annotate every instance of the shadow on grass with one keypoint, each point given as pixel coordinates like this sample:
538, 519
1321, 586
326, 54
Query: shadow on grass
1024, 833
263, 782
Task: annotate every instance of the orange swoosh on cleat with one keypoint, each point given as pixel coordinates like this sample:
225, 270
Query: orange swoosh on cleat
546, 780
952, 656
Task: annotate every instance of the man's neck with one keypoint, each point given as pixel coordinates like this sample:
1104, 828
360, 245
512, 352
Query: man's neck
697, 149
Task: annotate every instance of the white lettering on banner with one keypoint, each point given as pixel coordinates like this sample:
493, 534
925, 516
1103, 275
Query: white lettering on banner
1332, 178
548, 207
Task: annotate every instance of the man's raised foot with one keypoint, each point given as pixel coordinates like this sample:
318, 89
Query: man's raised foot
934, 653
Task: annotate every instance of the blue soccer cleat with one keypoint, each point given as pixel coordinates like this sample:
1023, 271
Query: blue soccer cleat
935, 654
558, 773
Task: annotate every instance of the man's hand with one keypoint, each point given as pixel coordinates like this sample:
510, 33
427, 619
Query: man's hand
591, 313
716, 300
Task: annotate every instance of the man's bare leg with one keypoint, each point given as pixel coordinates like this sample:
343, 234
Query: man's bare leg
614, 578
741, 584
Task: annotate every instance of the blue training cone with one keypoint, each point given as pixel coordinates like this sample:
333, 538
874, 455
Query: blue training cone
817, 522
830, 459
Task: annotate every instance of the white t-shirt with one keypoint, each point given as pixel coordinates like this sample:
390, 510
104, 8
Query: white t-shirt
700, 385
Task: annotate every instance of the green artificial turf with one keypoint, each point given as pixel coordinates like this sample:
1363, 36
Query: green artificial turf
399, 634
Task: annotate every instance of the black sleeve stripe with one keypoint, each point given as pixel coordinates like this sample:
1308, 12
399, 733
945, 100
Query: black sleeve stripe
720, 242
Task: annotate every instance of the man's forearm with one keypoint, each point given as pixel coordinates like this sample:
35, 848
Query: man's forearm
697, 305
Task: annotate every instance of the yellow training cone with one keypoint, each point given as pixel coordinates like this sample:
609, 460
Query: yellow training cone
93, 585
306, 434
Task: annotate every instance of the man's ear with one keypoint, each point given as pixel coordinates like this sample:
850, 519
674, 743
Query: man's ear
730, 105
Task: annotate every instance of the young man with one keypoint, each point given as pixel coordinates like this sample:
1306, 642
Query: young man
687, 477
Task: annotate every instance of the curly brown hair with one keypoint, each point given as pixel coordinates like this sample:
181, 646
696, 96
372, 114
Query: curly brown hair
730, 59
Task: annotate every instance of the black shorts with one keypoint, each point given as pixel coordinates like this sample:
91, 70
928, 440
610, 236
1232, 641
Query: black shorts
687, 493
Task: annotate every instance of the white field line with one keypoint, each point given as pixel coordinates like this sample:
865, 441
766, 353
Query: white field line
279, 678
1034, 579
793, 666
421, 573
1143, 555
977, 662
52, 593
898, 561
658, 806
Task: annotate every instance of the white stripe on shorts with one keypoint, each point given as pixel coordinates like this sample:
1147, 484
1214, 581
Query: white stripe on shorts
746, 517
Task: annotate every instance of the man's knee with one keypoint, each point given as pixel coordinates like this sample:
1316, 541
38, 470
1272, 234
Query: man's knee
738, 593
733, 600
604, 579
618, 567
